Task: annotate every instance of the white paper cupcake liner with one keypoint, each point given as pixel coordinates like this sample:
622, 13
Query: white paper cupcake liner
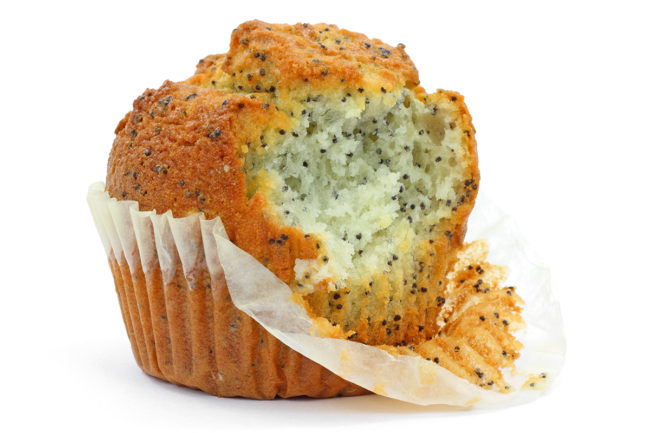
147, 240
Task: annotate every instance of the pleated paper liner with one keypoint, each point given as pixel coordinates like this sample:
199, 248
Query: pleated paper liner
240, 333
180, 320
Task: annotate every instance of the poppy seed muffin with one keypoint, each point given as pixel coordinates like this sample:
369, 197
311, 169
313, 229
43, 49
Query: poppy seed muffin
328, 163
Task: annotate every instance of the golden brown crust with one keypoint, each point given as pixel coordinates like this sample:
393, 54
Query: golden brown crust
182, 149
285, 58
182, 143
475, 340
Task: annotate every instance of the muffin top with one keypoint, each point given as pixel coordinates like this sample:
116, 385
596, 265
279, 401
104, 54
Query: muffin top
292, 58
324, 159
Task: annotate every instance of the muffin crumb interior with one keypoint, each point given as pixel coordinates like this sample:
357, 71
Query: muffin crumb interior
372, 177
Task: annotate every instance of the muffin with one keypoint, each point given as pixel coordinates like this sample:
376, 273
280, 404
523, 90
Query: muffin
327, 162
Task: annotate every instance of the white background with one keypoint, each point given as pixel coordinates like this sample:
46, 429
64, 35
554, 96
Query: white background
559, 93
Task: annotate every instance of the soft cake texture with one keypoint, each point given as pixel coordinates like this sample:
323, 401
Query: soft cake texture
370, 176
326, 161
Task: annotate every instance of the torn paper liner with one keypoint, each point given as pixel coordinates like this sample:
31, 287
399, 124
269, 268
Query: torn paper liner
137, 237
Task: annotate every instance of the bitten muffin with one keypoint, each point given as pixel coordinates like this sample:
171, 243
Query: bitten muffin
328, 163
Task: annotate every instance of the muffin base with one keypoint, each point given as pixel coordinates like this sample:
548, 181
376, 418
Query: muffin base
196, 337
179, 317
